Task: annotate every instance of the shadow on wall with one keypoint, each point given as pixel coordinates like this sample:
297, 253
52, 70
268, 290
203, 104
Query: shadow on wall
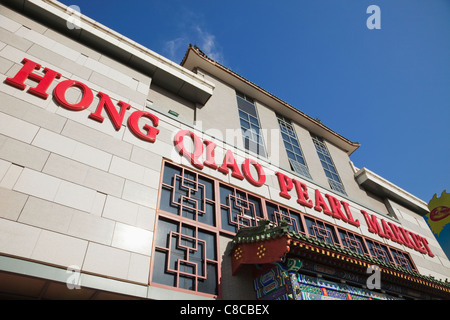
239, 286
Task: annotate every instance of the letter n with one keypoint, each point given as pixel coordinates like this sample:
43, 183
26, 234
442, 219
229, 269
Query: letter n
116, 118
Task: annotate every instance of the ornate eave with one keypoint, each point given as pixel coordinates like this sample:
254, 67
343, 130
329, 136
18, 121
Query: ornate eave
269, 244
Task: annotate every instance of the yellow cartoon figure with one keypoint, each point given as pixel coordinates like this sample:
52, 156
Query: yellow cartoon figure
439, 214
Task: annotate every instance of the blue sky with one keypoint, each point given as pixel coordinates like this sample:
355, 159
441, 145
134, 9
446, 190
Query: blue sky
388, 88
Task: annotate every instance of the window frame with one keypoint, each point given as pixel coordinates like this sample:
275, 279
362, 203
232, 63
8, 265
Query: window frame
302, 168
328, 165
251, 134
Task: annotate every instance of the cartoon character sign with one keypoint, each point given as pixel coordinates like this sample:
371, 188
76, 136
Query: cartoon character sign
439, 217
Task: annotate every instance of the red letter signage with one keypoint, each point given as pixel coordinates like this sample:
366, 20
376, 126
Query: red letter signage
246, 170
397, 234
27, 73
115, 117
198, 147
285, 184
60, 95
133, 124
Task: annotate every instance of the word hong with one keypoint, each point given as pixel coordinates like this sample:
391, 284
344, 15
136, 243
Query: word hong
59, 93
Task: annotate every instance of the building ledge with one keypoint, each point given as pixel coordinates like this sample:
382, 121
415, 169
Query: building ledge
163, 72
380, 186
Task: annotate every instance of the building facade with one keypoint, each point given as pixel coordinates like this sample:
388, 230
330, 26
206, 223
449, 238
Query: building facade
126, 175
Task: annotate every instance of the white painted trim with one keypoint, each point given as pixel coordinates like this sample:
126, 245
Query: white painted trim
364, 175
114, 38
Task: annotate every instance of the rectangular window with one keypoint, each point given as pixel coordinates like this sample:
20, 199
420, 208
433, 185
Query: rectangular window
188, 194
321, 231
402, 259
251, 130
185, 257
352, 241
238, 209
379, 251
328, 165
277, 213
293, 150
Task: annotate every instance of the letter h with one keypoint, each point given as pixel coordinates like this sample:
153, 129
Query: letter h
27, 72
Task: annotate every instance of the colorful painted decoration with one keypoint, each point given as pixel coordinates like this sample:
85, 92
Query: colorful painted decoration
281, 283
438, 218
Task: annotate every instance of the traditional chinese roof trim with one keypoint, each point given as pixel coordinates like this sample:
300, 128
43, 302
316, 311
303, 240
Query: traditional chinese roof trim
264, 231
298, 241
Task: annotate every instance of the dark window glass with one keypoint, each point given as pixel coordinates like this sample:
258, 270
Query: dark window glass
278, 213
379, 251
321, 231
185, 257
250, 126
292, 146
238, 209
188, 194
352, 242
402, 259
328, 165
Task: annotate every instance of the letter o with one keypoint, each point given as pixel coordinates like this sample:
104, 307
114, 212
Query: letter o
247, 174
60, 95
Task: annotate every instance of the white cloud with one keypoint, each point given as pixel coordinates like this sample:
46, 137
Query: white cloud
192, 33
172, 48
207, 43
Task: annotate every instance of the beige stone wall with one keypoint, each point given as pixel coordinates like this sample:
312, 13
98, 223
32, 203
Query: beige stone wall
72, 189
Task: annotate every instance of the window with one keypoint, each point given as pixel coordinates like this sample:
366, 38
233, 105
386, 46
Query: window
321, 231
328, 165
379, 251
188, 194
185, 257
185, 253
402, 259
352, 241
251, 130
238, 209
277, 213
294, 153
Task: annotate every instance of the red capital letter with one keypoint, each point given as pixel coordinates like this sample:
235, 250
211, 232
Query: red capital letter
133, 124
246, 170
210, 156
336, 208
321, 204
198, 147
302, 194
387, 231
60, 95
425, 243
26, 73
399, 238
349, 214
114, 116
417, 240
230, 162
373, 225
285, 184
